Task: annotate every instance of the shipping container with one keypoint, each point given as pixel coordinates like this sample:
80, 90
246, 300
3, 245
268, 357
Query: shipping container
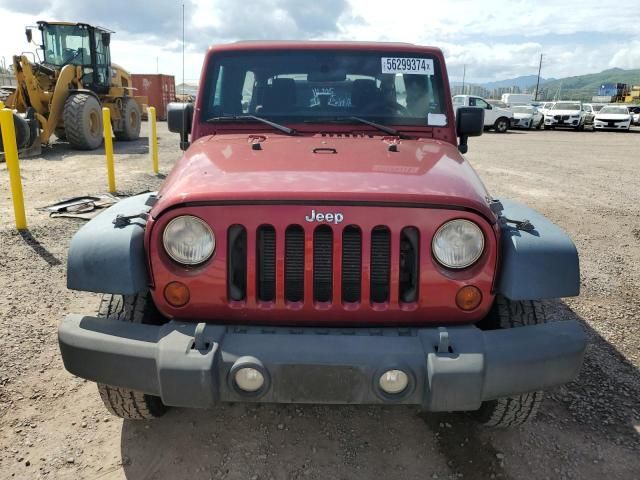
158, 88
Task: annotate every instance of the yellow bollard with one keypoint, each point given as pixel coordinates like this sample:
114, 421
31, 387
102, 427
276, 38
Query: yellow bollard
153, 139
108, 148
13, 165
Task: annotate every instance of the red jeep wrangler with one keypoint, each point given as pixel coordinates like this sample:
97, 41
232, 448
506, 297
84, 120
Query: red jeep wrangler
323, 240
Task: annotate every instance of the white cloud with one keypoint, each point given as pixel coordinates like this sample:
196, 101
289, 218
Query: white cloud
495, 39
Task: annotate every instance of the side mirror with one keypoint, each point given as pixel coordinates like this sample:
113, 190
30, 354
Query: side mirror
179, 118
469, 123
29, 33
489, 107
106, 39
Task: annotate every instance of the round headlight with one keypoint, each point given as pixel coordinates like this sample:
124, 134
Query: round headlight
458, 244
393, 381
188, 240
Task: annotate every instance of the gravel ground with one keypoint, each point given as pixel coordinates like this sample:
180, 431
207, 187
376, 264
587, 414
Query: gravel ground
53, 425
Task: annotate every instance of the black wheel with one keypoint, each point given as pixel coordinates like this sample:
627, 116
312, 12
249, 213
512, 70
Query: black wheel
580, 128
123, 402
501, 125
540, 124
83, 121
60, 133
131, 118
518, 409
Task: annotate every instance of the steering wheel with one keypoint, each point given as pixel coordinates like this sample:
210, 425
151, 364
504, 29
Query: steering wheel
393, 107
70, 55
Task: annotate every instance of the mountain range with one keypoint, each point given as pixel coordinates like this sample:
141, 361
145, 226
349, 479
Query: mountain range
579, 87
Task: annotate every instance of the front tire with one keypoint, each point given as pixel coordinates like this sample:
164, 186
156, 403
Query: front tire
131, 118
122, 402
83, 121
501, 125
518, 409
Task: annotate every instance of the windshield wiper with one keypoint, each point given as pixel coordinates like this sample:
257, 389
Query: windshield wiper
240, 118
382, 128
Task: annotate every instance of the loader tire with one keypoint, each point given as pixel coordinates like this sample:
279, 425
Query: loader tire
83, 121
122, 402
131, 117
518, 409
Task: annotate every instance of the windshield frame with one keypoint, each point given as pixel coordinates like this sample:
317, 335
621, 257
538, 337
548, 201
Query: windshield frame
573, 104
613, 113
437, 85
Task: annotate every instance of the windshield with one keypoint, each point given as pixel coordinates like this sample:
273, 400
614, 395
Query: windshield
315, 86
566, 106
614, 110
65, 44
522, 109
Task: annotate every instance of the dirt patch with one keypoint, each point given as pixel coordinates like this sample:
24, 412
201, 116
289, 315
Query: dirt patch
53, 425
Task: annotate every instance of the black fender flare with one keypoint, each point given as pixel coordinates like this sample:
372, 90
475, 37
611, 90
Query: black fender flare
539, 264
105, 258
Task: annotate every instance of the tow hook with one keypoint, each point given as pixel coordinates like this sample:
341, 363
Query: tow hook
443, 341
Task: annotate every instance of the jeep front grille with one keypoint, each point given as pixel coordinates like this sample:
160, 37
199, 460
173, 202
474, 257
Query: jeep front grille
343, 265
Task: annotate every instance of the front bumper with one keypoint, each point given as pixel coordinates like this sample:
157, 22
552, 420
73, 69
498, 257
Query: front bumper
561, 122
522, 123
449, 369
621, 125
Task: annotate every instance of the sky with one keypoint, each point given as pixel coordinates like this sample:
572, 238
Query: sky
495, 39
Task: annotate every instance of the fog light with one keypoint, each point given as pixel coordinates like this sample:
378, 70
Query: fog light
393, 381
468, 298
249, 379
176, 294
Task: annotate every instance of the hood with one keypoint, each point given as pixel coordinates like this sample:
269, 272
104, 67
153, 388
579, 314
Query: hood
522, 115
503, 111
612, 116
563, 112
326, 168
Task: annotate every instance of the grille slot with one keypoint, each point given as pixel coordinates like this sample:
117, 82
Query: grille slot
322, 264
380, 264
351, 264
409, 264
266, 263
294, 264
237, 262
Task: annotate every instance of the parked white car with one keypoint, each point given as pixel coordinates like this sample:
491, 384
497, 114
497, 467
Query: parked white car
546, 106
565, 115
612, 117
590, 110
497, 118
527, 116
634, 110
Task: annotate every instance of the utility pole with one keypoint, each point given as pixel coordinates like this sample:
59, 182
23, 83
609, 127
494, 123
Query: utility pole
535, 99
157, 65
464, 74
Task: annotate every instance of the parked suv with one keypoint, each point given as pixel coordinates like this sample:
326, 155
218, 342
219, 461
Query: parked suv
323, 240
500, 119
565, 115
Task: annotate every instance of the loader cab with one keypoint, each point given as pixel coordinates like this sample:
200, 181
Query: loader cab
79, 44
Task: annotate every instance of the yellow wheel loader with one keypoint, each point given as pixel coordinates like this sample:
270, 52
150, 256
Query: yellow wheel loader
63, 93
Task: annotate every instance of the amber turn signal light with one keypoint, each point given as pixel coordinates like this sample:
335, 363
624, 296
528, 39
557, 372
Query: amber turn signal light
176, 294
468, 298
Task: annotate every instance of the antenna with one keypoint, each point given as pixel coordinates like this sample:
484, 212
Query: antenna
538, 83
464, 74
184, 110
